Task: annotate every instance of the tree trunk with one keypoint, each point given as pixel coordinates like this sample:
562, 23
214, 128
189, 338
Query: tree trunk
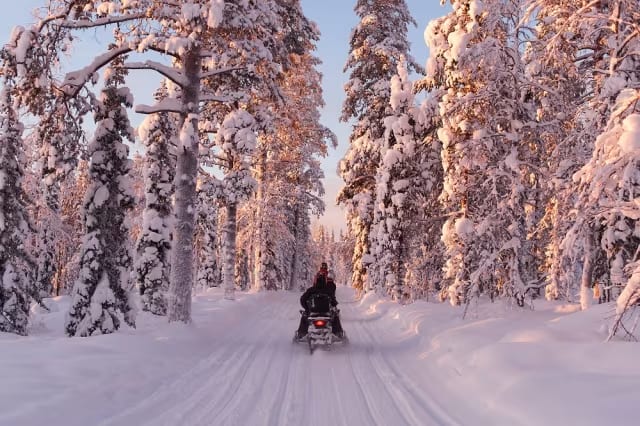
259, 251
587, 271
295, 259
182, 255
229, 250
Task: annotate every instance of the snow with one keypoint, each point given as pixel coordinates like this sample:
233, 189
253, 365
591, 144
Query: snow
464, 227
404, 365
630, 139
216, 12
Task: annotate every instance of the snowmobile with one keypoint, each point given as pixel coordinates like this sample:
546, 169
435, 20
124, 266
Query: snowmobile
319, 325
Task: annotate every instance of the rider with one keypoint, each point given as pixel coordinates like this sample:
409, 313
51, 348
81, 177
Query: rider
323, 272
322, 285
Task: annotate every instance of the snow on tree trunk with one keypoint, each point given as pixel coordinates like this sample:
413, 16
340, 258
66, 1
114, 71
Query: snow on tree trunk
182, 255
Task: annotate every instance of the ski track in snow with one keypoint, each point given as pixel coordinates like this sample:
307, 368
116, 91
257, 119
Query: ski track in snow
257, 376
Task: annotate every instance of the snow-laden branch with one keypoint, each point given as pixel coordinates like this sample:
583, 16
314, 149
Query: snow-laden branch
165, 105
100, 22
75, 80
171, 73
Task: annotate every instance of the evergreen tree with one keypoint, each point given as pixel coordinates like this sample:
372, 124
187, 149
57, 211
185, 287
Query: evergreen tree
209, 246
484, 135
152, 269
376, 46
104, 290
16, 288
236, 139
609, 181
396, 174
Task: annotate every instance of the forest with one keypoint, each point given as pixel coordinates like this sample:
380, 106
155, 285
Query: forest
505, 169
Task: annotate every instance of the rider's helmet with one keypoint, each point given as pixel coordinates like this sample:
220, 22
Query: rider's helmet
331, 276
324, 267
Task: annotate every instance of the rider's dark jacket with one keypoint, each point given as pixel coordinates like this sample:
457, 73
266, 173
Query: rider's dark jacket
320, 287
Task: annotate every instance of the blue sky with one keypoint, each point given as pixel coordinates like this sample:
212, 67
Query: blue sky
335, 18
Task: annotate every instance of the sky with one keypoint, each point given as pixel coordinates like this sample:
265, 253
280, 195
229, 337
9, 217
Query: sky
335, 19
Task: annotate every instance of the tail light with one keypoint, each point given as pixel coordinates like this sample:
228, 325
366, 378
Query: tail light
319, 323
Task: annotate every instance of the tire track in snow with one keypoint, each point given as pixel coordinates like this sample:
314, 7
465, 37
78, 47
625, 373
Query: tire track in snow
226, 404
239, 393
383, 410
293, 410
196, 383
404, 388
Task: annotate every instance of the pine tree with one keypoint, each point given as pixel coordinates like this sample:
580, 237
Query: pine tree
152, 269
609, 181
15, 287
395, 176
484, 132
557, 86
209, 246
377, 44
201, 56
103, 290
236, 139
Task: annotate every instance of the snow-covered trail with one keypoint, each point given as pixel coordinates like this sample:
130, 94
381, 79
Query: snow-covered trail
418, 364
257, 376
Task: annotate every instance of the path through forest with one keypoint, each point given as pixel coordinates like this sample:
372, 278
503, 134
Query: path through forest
257, 376
420, 364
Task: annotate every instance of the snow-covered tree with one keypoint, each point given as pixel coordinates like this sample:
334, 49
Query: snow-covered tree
274, 223
242, 271
395, 176
556, 84
485, 126
236, 140
606, 220
208, 239
377, 43
15, 285
68, 241
157, 133
104, 289
201, 53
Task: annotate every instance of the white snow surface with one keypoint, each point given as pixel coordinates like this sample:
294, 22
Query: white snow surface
418, 364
